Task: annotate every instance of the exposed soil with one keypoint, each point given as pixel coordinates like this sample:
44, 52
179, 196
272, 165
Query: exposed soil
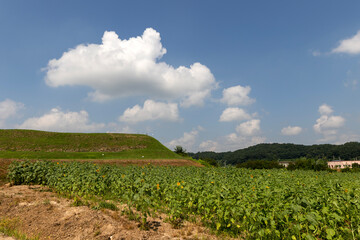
43, 213
4, 164
139, 162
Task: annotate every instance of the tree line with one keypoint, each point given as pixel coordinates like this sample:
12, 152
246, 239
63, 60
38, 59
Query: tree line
283, 152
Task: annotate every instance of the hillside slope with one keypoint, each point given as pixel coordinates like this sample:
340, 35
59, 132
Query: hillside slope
31, 144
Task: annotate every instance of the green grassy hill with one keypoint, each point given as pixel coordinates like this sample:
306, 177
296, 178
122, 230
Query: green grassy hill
30, 144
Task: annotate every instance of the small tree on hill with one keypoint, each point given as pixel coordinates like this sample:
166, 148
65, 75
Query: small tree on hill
180, 150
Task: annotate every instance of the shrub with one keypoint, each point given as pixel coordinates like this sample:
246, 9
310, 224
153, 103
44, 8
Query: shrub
308, 164
180, 150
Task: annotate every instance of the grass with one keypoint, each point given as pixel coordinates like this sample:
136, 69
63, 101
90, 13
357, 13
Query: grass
128, 154
108, 205
31, 144
8, 226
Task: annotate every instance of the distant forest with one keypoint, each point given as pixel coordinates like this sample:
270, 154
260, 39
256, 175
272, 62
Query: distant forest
283, 152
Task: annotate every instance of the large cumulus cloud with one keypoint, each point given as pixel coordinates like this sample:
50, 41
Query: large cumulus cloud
122, 68
57, 120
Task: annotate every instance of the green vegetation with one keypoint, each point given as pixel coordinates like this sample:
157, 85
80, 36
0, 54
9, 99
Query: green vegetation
9, 227
29, 144
180, 151
308, 164
260, 164
251, 204
276, 151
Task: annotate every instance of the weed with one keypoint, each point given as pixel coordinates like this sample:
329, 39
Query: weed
108, 205
8, 226
78, 202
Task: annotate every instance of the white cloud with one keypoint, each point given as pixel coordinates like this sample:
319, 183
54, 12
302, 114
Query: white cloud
249, 128
350, 45
246, 135
151, 111
291, 131
122, 68
8, 109
351, 83
316, 53
231, 142
237, 95
187, 140
234, 142
56, 120
208, 145
328, 124
116, 128
234, 114
325, 109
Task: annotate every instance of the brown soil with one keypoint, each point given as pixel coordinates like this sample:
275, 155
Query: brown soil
139, 162
44, 214
4, 164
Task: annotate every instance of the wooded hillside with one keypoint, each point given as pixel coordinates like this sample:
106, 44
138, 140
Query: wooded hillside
286, 151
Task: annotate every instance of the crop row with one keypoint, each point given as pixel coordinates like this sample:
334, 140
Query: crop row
251, 204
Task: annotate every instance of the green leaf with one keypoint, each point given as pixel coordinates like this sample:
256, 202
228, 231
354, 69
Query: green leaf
330, 233
218, 225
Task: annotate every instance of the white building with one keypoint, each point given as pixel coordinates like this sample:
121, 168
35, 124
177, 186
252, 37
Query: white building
339, 164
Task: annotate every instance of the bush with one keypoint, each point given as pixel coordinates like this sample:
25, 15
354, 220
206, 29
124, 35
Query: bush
308, 164
355, 165
180, 150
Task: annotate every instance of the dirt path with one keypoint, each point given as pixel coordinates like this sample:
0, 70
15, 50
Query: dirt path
39, 212
139, 162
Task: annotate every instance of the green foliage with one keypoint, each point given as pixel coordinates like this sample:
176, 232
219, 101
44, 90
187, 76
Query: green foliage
308, 164
78, 202
29, 144
260, 164
355, 165
276, 151
180, 151
251, 204
208, 162
108, 205
9, 226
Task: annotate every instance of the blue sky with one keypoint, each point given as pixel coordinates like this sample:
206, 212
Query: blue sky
207, 75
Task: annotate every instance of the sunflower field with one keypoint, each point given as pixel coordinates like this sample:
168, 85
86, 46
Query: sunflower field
248, 204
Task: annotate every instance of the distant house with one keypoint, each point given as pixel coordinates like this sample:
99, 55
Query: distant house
339, 164
284, 163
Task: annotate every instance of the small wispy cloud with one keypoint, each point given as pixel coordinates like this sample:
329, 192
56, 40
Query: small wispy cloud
291, 131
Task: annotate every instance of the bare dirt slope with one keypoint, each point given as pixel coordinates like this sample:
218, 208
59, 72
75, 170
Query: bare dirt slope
42, 213
139, 162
